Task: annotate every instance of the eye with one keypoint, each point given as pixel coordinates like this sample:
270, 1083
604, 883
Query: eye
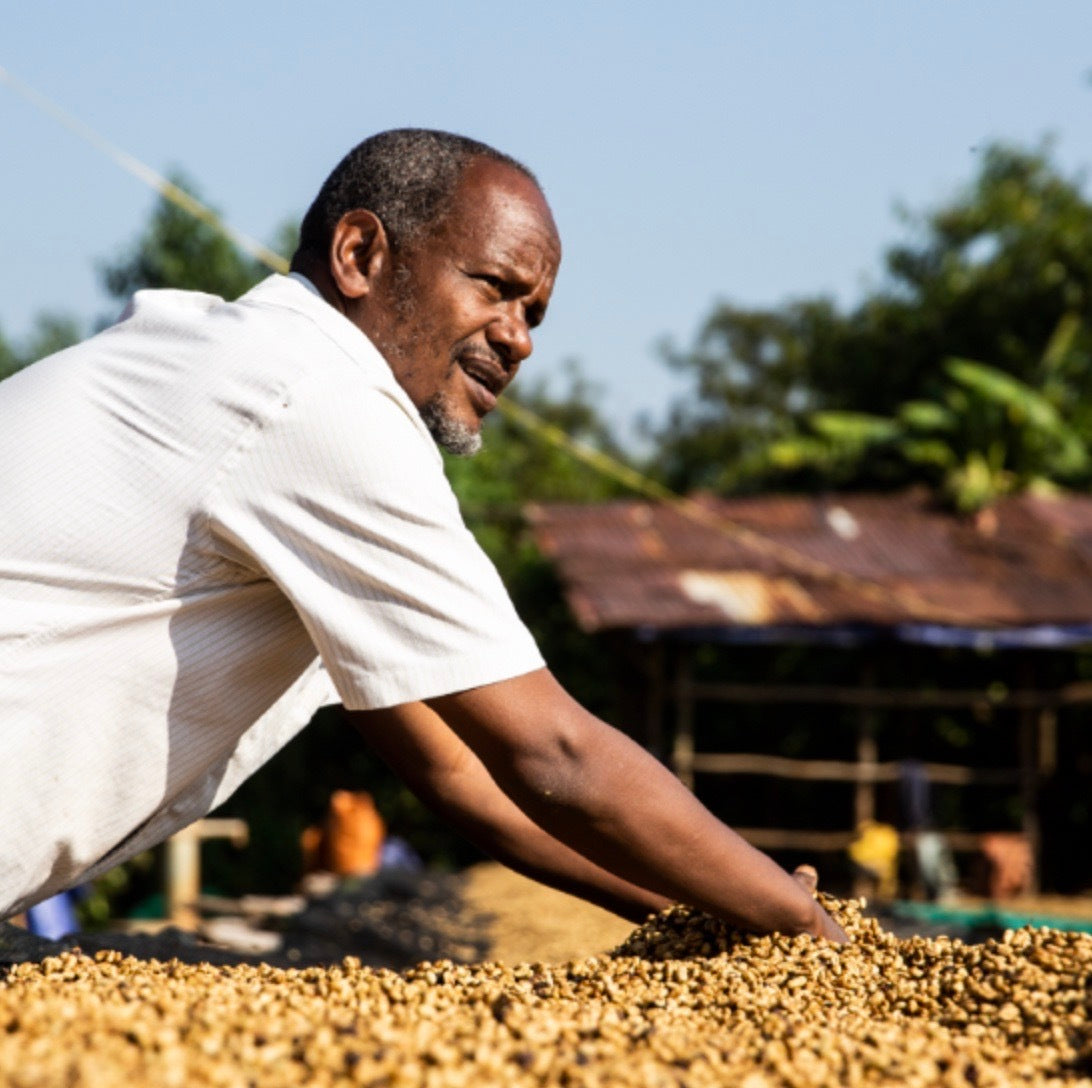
493, 282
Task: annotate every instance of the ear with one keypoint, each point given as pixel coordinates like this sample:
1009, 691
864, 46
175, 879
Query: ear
359, 253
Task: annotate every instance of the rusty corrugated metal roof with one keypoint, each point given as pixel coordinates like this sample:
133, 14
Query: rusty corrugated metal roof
821, 561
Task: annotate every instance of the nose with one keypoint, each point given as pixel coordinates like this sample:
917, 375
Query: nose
510, 335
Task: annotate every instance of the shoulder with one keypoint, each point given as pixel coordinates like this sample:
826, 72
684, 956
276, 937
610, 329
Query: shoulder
296, 321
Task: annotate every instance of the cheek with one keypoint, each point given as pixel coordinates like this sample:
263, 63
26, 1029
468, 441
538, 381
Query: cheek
458, 312
437, 324
431, 322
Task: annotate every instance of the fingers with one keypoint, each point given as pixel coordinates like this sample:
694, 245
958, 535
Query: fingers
832, 931
807, 876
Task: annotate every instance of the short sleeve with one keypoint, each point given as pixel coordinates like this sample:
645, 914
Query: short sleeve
339, 497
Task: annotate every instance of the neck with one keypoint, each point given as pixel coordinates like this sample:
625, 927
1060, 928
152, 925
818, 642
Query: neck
319, 275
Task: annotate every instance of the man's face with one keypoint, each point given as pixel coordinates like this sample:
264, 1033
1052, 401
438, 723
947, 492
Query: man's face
457, 310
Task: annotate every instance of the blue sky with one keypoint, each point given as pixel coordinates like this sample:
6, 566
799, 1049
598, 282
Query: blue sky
692, 151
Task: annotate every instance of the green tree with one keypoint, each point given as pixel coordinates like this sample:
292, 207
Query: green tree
51, 332
988, 434
806, 396
173, 250
177, 250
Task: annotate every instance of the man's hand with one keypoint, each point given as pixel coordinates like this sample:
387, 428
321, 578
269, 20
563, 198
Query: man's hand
807, 876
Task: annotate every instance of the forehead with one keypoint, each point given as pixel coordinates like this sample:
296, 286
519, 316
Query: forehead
498, 213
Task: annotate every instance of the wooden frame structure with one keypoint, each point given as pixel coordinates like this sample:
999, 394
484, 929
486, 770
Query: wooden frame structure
861, 571
1038, 724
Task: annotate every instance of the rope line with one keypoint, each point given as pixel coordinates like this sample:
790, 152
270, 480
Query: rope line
144, 173
597, 460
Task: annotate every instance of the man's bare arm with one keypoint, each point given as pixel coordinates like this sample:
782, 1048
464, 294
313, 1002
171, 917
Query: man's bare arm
439, 767
591, 787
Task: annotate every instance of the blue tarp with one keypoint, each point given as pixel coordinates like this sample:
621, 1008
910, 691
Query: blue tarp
1038, 637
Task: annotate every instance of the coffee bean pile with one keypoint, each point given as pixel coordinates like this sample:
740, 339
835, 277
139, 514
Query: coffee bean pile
684, 1001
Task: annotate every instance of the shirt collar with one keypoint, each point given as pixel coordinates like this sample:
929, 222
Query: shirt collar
301, 278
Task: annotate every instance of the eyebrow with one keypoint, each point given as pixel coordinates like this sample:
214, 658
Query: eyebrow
535, 314
507, 269
519, 284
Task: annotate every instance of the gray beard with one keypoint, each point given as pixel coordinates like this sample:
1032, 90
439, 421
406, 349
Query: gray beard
448, 433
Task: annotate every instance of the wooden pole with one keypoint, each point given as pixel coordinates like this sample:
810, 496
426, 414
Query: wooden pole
682, 753
654, 714
886, 698
1029, 749
1048, 742
864, 792
1029, 791
864, 800
843, 770
184, 865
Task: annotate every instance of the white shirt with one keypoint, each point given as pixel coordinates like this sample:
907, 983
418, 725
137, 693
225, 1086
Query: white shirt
217, 517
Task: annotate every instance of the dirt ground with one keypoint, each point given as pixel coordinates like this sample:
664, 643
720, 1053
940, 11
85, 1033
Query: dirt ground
536, 924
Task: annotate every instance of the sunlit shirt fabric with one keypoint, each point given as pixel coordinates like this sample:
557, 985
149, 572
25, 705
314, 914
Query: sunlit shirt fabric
217, 518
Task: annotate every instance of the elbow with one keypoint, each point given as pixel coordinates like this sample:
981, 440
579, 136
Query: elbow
553, 774
541, 747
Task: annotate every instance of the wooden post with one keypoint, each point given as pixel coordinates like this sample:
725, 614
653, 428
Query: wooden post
1048, 742
184, 865
1029, 790
1030, 754
183, 877
682, 752
864, 792
864, 798
654, 712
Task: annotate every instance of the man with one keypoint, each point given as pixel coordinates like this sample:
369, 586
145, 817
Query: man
224, 515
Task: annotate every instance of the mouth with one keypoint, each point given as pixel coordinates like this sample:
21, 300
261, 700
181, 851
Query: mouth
486, 380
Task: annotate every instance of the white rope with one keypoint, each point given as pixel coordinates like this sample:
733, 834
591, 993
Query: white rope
154, 180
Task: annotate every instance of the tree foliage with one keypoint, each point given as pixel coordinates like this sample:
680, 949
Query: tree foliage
177, 250
173, 250
967, 368
51, 332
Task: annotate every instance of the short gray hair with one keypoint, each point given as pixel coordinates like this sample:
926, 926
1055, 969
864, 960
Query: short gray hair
407, 177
